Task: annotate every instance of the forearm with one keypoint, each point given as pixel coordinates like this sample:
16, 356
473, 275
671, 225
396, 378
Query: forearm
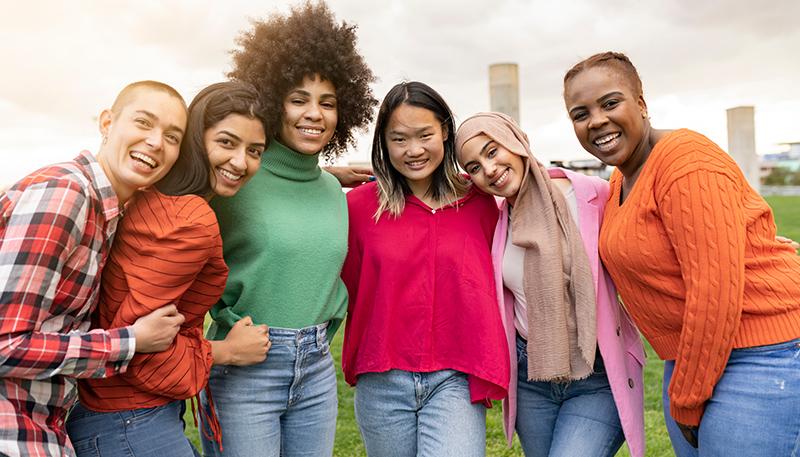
39, 355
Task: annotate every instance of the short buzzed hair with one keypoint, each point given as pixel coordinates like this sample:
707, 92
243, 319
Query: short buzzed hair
126, 94
613, 60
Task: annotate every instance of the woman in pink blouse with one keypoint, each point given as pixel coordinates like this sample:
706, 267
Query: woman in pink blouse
424, 344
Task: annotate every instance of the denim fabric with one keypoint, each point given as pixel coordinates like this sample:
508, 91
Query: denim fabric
566, 419
285, 406
145, 432
755, 408
409, 414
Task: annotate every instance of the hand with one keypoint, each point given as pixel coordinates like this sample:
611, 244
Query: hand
155, 331
794, 244
689, 433
245, 344
351, 176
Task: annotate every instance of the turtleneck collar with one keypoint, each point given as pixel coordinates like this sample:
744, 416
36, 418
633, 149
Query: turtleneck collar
286, 163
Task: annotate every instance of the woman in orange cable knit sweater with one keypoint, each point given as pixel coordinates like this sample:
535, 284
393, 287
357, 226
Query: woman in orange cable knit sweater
693, 252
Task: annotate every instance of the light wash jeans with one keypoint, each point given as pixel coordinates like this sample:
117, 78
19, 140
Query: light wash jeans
145, 432
285, 406
755, 408
409, 414
566, 419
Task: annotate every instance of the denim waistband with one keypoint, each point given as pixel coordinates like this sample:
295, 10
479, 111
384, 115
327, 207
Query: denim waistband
313, 335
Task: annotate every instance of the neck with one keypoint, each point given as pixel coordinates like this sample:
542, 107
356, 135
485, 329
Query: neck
123, 194
422, 190
631, 169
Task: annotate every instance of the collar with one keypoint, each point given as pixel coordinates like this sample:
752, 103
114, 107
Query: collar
100, 184
287, 163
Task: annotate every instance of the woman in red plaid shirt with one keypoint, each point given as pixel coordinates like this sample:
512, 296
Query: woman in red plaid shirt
56, 229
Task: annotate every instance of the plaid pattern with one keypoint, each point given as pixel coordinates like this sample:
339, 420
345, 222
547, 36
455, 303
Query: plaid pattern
56, 229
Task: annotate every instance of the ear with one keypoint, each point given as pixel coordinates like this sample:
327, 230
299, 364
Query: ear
104, 123
642, 106
445, 132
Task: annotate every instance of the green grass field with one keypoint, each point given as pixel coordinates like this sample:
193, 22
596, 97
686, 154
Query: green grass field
348, 440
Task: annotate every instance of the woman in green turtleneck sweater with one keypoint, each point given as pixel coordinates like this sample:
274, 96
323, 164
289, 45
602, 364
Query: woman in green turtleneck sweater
285, 237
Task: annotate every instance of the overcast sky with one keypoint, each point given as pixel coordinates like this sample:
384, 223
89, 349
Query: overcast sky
63, 62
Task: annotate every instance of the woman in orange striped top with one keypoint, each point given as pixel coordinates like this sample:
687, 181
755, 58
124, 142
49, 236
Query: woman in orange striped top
692, 250
168, 250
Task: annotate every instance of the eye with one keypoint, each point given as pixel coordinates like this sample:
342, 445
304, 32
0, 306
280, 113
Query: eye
173, 139
297, 101
255, 152
578, 116
426, 136
610, 104
491, 153
225, 143
398, 140
472, 169
143, 122
328, 105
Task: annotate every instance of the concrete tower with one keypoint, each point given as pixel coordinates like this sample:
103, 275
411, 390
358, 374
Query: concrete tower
742, 142
504, 89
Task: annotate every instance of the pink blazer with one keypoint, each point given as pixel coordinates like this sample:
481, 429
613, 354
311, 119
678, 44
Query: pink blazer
617, 338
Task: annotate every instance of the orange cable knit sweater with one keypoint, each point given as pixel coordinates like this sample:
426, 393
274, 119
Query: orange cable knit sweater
693, 254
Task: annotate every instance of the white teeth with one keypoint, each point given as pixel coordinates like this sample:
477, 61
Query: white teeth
606, 138
229, 175
502, 179
143, 158
311, 131
416, 163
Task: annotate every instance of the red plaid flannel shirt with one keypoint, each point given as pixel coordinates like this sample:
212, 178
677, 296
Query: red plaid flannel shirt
56, 228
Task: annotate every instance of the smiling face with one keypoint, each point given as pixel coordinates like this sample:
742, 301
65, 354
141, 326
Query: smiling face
234, 147
493, 168
415, 143
309, 116
141, 141
608, 116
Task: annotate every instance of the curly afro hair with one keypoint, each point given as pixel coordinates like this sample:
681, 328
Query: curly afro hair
278, 52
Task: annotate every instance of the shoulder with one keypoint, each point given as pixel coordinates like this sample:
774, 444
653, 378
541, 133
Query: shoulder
168, 216
362, 201
684, 151
60, 188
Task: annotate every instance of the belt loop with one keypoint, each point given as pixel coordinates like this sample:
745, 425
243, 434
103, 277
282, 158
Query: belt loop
320, 331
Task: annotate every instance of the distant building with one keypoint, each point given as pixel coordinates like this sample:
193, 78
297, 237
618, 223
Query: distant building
591, 167
787, 159
504, 89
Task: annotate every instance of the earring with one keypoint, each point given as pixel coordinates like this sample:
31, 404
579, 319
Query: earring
105, 139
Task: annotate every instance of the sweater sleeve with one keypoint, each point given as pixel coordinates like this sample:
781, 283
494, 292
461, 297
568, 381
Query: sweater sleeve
704, 219
160, 266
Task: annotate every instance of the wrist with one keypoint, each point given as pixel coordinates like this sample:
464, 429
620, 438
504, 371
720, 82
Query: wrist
221, 353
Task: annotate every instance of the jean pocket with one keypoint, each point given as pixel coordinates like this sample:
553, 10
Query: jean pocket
87, 447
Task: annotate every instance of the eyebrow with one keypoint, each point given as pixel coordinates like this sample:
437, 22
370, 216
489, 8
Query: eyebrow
155, 118
237, 137
413, 130
308, 94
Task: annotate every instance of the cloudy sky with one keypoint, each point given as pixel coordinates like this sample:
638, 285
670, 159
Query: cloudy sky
63, 62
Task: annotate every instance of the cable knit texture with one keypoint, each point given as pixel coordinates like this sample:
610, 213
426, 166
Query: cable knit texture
693, 254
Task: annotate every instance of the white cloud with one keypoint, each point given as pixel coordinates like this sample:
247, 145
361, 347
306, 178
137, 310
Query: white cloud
65, 61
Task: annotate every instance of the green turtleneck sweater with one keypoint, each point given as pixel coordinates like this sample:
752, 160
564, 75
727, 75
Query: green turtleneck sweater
285, 239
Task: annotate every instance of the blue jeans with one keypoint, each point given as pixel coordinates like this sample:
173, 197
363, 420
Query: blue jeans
755, 407
285, 406
154, 432
565, 419
409, 414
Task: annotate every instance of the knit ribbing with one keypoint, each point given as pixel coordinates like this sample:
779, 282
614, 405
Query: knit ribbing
693, 254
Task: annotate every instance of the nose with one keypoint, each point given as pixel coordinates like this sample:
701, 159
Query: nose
415, 148
155, 139
490, 168
239, 160
313, 112
597, 119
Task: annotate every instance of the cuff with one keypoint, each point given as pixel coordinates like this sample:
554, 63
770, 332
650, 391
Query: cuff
687, 416
123, 348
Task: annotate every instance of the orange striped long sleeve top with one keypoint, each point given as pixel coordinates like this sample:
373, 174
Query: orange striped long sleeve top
167, 250
693, 254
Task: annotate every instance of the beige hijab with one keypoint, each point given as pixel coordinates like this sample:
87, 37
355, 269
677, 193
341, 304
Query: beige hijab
557, 277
